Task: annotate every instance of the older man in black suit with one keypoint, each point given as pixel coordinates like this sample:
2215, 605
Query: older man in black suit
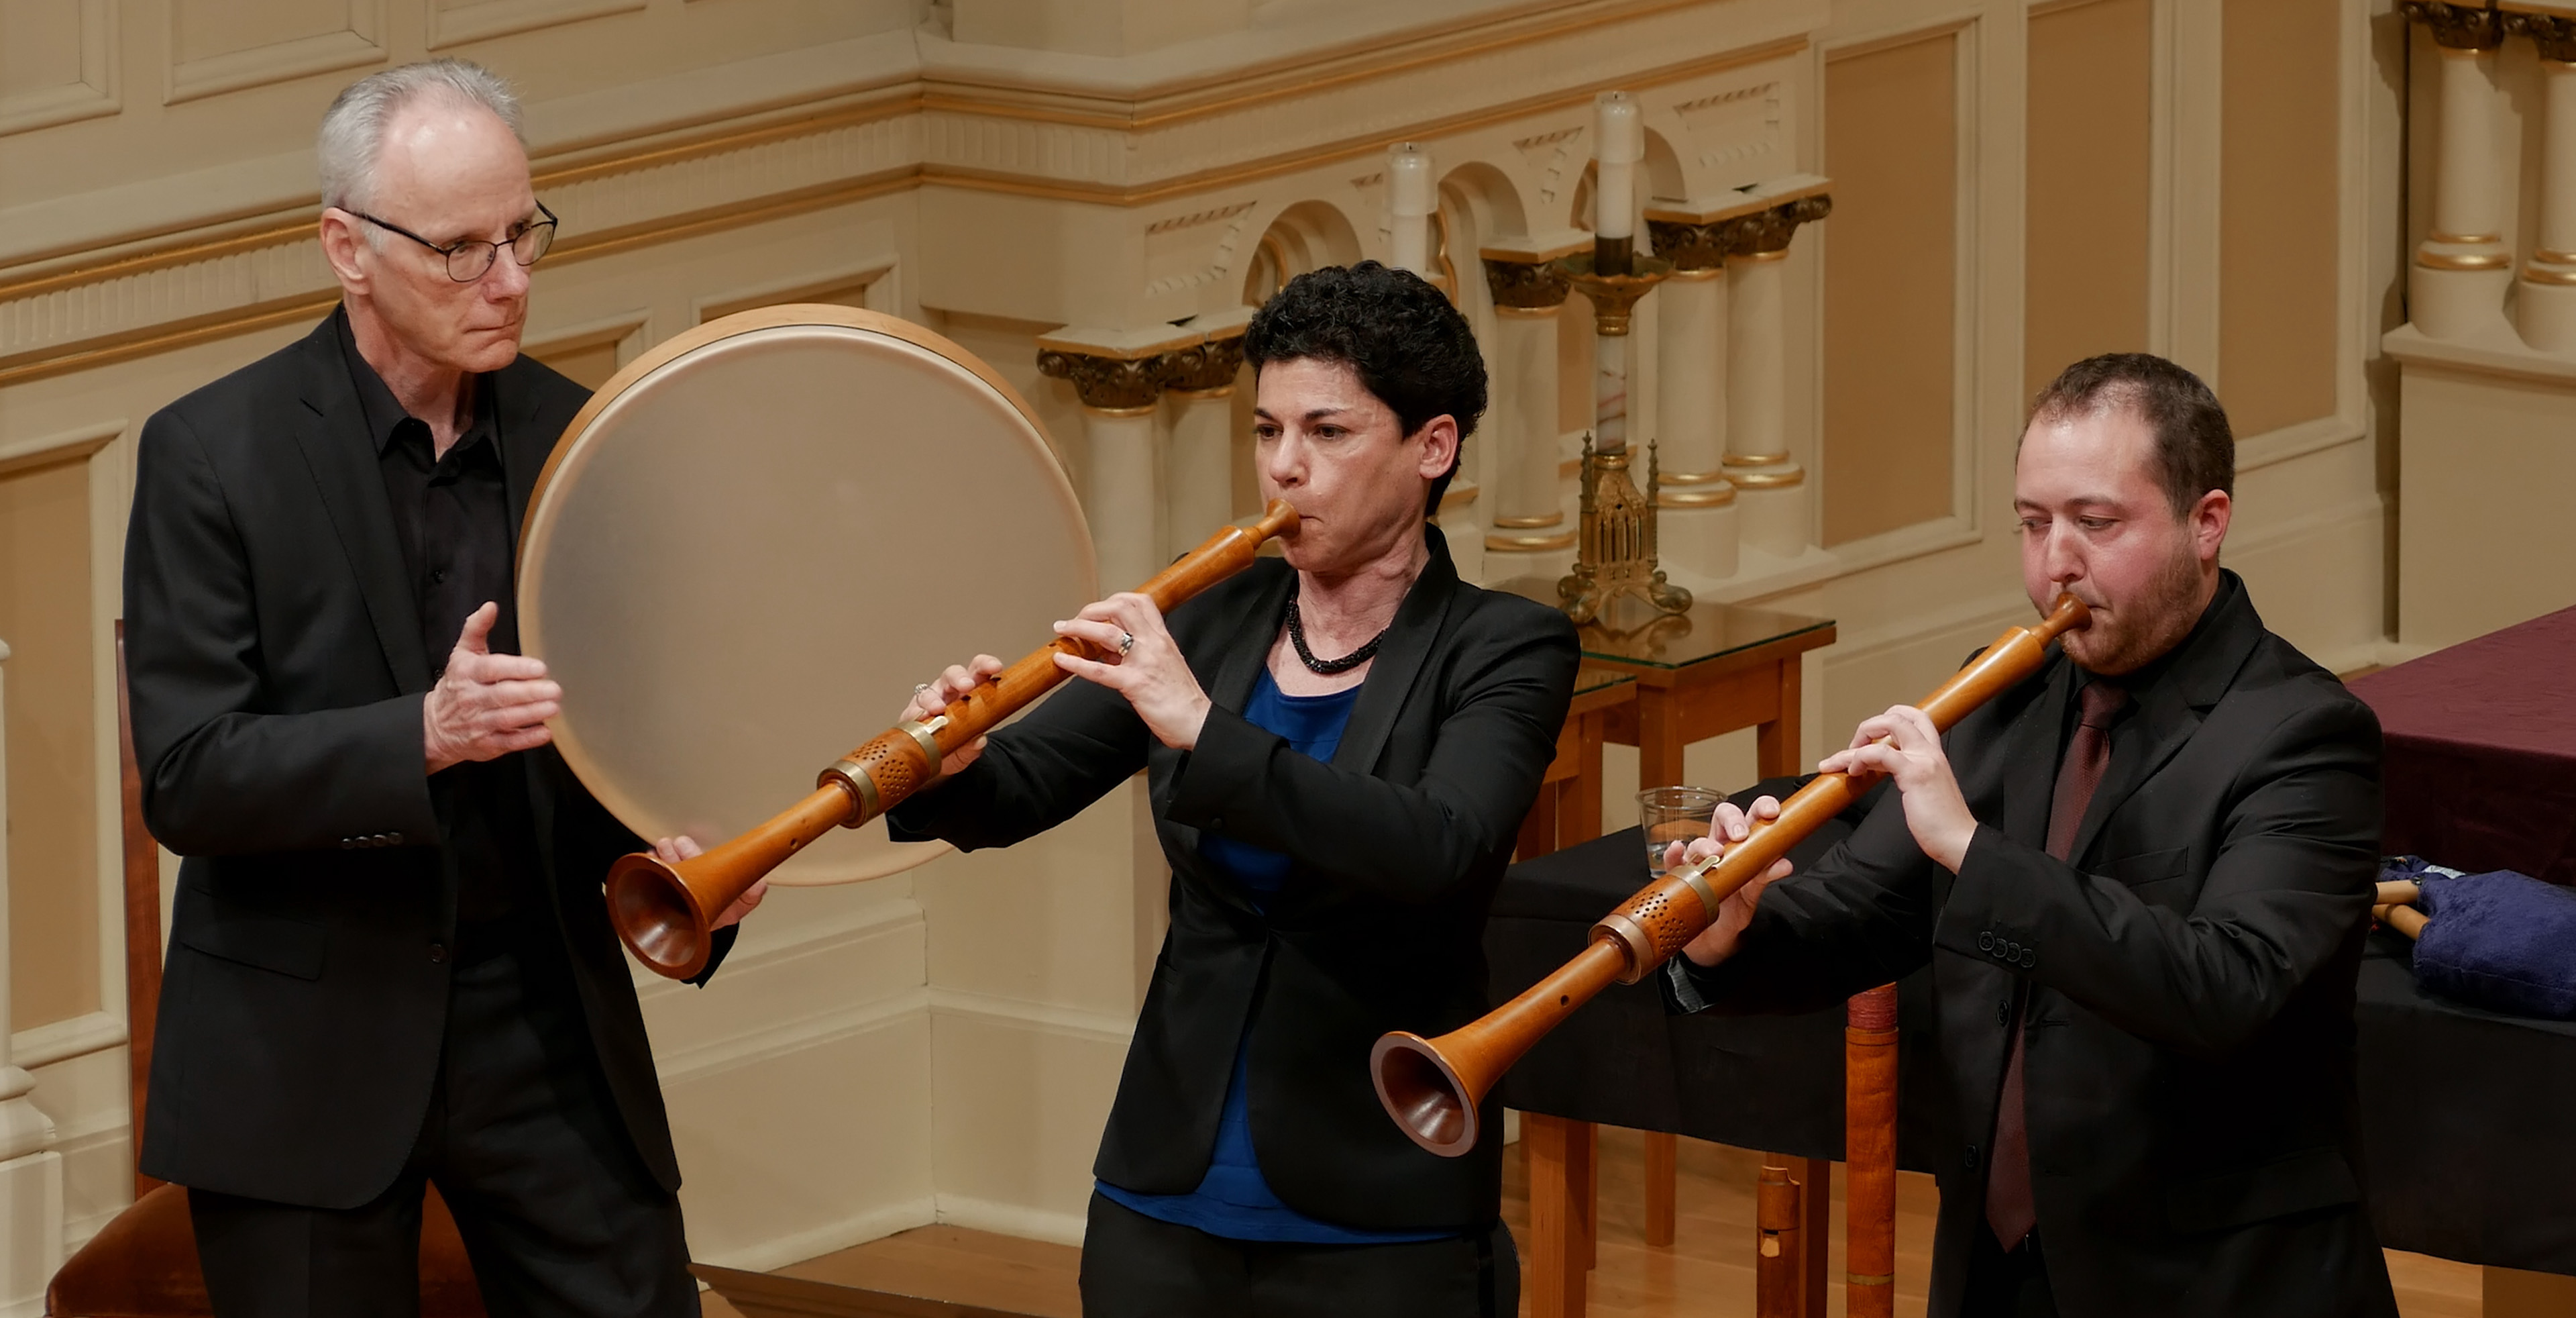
389, 962
2141, 878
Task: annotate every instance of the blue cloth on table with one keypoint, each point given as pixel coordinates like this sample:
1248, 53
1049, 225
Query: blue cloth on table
1232, 1200
2501, 940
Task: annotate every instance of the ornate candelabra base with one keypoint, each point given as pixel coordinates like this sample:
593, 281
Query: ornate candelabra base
1615, 544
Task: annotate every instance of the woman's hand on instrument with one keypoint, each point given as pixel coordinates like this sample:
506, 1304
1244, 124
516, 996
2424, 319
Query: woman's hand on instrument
1903, 744
951, 686
1148, 668
1728, 827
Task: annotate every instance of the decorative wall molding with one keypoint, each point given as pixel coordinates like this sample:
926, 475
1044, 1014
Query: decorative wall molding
359, 42
60, 1041
67, 446
455, 22
89, 91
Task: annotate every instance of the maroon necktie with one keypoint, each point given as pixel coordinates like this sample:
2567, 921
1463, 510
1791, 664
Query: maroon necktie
2009, 1209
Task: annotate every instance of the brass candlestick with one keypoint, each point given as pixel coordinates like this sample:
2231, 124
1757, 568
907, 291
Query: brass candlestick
1615, 553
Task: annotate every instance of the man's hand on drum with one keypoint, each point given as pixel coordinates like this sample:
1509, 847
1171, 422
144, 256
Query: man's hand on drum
485, 705
1903, 744
1145, 666
673, 850
948, 688
1725, 829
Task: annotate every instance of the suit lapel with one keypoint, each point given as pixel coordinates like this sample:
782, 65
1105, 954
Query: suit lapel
1231, 686
332, 433
2030, 769
1399, 659
2171, 709
524, 444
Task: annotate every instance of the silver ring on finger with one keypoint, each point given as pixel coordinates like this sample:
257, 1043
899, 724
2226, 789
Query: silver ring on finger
919, 687
1126, 642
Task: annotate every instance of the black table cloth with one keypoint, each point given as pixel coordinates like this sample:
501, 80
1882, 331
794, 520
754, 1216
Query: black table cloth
2468, 1117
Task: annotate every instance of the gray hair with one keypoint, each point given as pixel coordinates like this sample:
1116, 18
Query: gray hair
353, 129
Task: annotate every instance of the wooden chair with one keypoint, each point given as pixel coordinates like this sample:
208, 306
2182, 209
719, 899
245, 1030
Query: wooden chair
144, 1264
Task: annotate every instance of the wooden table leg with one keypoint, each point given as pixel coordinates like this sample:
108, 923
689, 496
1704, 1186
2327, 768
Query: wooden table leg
1561, 1181
1663, 1155
1775, 744
1660, 736
1816, 1232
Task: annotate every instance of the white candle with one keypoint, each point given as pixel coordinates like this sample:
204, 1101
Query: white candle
1409, 200
1619, 142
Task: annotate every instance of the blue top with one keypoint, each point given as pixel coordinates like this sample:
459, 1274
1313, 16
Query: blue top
1233, 1201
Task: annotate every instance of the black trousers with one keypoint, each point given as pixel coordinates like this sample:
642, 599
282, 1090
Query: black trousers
557, 1211
2002, 1285
1134, 1266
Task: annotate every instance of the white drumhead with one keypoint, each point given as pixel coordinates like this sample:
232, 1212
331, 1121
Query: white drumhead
758, 536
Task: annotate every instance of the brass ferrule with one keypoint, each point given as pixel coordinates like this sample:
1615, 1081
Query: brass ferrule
922, 734
850, 774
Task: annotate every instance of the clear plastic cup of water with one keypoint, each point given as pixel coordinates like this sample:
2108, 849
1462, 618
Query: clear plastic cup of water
1674, 814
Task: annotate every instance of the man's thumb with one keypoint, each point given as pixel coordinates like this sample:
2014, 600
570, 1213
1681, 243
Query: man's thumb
478, 629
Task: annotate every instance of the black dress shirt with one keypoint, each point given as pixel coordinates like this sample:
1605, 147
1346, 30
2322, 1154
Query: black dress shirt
451, 514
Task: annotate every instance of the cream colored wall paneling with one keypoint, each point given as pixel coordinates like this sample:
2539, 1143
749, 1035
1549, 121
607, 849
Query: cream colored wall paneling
455, 22
227, 45
1892, 418
2089, 182
58, 62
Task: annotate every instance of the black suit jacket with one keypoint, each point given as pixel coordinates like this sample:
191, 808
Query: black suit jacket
277, 674
2189, 1062
1397, 846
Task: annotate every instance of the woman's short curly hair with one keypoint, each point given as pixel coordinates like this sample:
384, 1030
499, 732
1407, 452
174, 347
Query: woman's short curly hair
1394, 330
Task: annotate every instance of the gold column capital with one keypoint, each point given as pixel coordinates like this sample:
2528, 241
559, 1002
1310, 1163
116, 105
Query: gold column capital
1205, 369
2554, 34
2458, 26
1115, 385
1525, 285
1693, 245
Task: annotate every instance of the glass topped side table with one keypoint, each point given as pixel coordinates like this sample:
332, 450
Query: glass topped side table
1700, 674
1568, 808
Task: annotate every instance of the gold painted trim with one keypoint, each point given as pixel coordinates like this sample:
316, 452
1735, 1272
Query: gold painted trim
1529, 523
1756, 459
1118, 413
1717, 497
1529, 543
2552, 256
1698, 477
1775, 254
1770, 480
2536, 275
1695, 274
1527, 313
2437, 236
1196, 395
2464, 260
88, 354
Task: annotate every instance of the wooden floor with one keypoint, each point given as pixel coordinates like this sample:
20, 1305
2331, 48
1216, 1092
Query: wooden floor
1707, 1271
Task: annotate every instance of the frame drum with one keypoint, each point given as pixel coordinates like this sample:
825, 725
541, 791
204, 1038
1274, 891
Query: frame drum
758, 536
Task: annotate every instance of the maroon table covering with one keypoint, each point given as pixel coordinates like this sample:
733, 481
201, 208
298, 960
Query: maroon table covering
2481, 751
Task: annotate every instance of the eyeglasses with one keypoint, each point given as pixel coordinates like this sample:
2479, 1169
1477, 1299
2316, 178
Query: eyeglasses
469, 258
